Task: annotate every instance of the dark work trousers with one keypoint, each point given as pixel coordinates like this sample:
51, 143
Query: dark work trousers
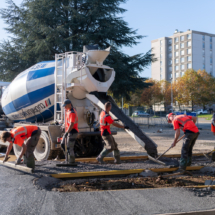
31, 145
187, 149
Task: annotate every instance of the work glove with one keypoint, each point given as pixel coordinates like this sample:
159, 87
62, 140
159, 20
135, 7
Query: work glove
126, 127
116, 120
6, 158
18, 161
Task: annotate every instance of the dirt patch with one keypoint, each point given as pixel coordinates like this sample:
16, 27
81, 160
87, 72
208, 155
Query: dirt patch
131, 183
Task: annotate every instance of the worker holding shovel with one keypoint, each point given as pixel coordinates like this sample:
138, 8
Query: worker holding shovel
187, 125
110, 144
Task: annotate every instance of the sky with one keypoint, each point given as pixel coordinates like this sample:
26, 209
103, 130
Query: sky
158, 18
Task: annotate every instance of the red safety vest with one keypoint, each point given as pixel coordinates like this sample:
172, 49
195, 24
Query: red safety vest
22, 133
71, 116
105, 118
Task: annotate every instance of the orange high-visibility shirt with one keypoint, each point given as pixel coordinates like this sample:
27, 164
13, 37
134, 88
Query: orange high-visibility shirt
71, 116
22, 133
105, 122
186, 122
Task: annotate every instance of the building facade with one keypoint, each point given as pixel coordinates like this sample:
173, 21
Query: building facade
182, 51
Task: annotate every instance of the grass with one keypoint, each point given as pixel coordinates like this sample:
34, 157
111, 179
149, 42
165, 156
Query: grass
206, 116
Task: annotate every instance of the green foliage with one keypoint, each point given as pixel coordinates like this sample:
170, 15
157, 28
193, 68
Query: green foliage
40, 29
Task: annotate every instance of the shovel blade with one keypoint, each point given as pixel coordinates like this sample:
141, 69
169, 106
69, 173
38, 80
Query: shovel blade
156, 161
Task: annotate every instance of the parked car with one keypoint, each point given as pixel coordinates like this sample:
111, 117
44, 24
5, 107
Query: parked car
140, 113
201, 111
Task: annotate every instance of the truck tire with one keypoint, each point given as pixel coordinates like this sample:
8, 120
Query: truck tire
42, 150
43, 147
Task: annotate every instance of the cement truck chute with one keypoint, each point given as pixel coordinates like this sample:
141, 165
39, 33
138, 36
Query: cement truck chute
36, 96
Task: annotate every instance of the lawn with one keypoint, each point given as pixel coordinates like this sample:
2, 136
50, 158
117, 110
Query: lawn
206, 116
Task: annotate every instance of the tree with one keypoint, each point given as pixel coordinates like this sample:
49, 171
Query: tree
153, 94
188, 88
41, 28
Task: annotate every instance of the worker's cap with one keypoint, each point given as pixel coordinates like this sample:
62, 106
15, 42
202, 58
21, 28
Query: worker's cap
66, 102
169, 117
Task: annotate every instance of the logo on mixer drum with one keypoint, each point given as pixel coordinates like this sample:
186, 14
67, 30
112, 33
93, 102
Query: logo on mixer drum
47, 102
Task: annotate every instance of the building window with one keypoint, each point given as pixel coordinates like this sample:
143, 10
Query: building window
210, 46
211, 61
177, 74
182, 52
161, 49
188, 51
182, 45
160, 69
189, 36
189, 58
203, 45
182, 59
210, 53
211, 39
176, 39
161, 76
203, 66
161, 42
203, 59
170, 62
170, 68
182, 67
211, 68
203, 37
182, 73
176, 54
170, 48
170, 42
170, 55
203, 52
176, 60
189, 66
161, 63
170, 76
176, 68
176, 46
188, 43
182, 38
161, 55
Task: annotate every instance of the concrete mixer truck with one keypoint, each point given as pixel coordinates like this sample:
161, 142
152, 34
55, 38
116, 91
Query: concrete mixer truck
35, 96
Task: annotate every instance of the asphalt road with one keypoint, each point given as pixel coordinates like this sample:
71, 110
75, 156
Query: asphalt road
18, 195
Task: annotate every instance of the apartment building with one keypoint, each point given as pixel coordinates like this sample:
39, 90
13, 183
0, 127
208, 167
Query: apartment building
182, 51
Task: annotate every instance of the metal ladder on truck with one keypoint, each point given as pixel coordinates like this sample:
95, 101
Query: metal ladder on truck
60, 87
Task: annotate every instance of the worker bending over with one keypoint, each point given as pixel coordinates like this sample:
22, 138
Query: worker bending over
30, 134
71, 129
187, 124
110, 144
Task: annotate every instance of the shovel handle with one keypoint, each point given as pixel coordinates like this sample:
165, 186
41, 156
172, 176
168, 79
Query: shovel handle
171, 147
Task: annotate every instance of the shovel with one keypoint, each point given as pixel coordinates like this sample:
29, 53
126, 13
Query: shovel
157, 160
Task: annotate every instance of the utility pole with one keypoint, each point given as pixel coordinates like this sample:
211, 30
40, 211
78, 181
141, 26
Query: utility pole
171, 94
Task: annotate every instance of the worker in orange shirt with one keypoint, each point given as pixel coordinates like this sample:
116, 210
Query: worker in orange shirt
29, 133
71, 130
110, 144
187, 124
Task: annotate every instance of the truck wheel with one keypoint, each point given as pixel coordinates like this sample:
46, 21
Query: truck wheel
43, 147
42, 150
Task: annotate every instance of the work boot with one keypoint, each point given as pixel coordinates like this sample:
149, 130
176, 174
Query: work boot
189, 161
103, 153
71, 160
117, 160
30, 162
183, 163
116, 155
